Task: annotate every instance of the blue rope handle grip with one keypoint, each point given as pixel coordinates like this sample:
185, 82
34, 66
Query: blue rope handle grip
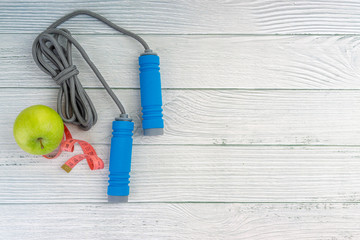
120, 160
150, 89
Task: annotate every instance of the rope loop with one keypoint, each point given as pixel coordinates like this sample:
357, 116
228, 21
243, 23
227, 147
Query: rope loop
52, 52
66, 74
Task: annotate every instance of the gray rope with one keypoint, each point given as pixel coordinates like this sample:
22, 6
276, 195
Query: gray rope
55, 58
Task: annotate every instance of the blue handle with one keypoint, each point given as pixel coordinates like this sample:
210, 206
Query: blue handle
150, 89
120, 161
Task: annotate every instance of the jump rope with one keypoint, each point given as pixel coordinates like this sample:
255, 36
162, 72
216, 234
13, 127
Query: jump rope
52, 52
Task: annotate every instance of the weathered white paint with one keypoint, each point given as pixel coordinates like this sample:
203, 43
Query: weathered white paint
181, 221
281, 62
221, 117
233, 93
191, 173
189, 17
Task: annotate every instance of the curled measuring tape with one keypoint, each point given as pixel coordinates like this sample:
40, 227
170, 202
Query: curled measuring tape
67, 145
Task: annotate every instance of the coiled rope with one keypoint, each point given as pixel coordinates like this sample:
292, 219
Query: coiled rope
54, 57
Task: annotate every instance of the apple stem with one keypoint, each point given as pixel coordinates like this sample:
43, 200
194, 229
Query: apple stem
40, 140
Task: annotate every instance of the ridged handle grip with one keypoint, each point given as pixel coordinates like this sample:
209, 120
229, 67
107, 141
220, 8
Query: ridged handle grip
120, 161
151, 100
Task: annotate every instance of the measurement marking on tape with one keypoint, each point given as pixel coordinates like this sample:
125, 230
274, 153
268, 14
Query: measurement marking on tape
67, 145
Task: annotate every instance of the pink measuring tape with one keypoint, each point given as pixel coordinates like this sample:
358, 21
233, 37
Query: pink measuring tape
67, 145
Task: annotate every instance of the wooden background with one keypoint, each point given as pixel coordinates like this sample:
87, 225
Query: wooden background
262, 122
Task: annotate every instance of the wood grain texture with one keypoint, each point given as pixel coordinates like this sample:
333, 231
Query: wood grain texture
281, 62
179, 17
304, 17
219, 117
181, 221
190, 174
250, 89
189, 17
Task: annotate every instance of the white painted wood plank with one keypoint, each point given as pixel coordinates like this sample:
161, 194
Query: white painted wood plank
189, 17
285, 117
190, 174
181, 221
138, 16
296, 62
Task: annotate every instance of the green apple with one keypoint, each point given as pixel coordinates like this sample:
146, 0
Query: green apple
38, 130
